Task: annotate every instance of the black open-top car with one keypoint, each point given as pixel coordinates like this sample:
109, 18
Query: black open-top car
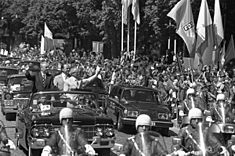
40, 118
17, 93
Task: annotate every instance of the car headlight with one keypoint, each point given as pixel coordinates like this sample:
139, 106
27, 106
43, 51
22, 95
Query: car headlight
35, 132
8, 96
99, 131
38, 132
109, 132
163, 116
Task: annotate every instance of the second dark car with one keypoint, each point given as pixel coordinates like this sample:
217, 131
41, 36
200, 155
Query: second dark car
127, 102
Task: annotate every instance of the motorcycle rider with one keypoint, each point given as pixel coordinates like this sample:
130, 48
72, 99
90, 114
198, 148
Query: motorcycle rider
133, 145
5, 140
190, 137
70, 144
190, 102
222, 110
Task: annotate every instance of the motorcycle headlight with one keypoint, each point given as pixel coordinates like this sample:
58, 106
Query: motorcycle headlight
109, 132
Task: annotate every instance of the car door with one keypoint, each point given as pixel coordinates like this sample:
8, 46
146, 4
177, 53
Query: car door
21, 127
113, 102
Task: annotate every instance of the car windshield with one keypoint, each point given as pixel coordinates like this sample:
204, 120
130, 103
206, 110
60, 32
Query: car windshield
20, 84
6, 72
138, 95
72, 100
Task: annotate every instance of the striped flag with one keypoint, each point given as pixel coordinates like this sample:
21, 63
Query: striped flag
205, 34
183, 16
218, 30
230, 52
48, 39
135, 11
42, 51
125, 4
47, 32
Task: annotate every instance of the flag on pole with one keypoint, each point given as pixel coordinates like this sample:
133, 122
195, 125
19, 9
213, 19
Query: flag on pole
42, 51
125, 4
218, 23
47, 32
48, 39
230, 52
205, 34
135, 11
183, 16
218, 30
222, 58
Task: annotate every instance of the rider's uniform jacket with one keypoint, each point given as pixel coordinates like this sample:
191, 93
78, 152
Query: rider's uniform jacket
217, 115
3, 135
134, 146
190, 139
186, 105
76, 141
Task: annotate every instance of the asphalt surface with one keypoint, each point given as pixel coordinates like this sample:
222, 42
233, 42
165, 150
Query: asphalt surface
120, 137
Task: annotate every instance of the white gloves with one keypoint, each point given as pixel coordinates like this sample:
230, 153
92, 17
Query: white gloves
46, 151
178, 153
122, 155
11, 144
181, 113
224, 151
90, 150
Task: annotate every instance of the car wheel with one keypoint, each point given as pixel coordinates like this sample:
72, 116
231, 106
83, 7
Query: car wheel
104, 152
11, 116
120, 125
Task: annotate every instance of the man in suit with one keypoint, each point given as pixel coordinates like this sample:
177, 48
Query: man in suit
60, 79
42, 80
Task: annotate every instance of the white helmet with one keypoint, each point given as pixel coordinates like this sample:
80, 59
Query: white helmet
194, 113
190, 91
143, 119
66, 113
220, 97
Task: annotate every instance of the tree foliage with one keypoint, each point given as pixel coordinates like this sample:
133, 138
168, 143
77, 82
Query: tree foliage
99, 20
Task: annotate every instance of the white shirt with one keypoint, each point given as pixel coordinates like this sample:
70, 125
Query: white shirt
71, 83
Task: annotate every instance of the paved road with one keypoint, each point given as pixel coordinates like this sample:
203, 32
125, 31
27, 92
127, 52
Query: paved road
120, 137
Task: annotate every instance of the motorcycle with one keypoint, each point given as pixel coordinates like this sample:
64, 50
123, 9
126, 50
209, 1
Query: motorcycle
5, 149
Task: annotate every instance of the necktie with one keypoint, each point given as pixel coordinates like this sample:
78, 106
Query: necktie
43, 79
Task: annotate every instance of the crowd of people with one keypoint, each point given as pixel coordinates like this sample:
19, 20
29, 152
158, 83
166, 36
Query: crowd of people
196, 93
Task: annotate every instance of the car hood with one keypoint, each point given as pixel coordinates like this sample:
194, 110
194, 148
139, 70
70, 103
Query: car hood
146, 107
80, 117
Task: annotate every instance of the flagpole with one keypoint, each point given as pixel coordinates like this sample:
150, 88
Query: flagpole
128, 31
135, 40
122, 37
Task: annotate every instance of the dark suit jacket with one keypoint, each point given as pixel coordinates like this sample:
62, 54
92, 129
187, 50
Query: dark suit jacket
37, 79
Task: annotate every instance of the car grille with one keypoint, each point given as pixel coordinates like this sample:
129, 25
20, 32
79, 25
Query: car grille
20, 101
89, 131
